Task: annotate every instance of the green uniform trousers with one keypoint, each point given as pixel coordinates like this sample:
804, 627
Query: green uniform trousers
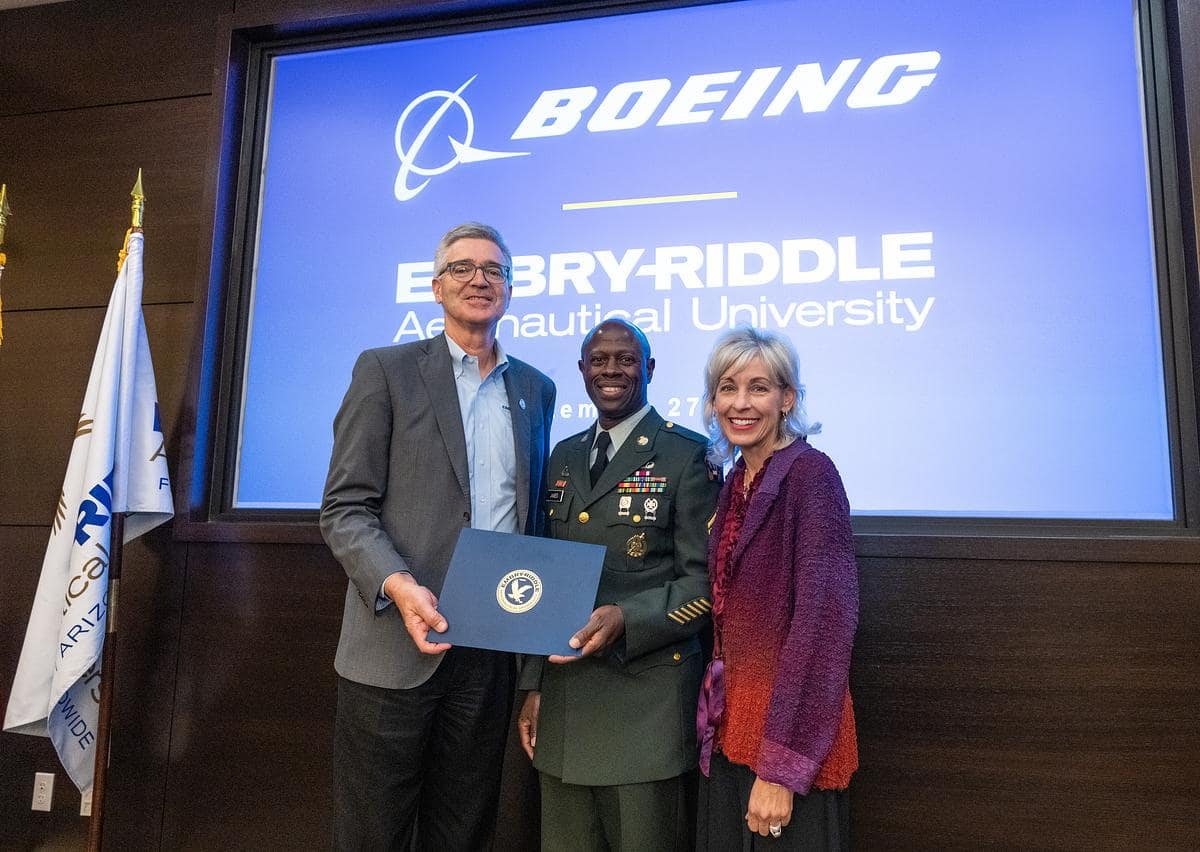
648, 817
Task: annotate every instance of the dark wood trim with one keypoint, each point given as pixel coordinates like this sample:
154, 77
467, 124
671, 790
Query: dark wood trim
199, 414
1171, 550
256, 532
1162, 550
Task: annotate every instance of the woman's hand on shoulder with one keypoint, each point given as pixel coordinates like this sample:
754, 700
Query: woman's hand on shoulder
770, 804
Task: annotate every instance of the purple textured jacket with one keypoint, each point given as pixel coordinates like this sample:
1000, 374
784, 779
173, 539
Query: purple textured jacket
790, 613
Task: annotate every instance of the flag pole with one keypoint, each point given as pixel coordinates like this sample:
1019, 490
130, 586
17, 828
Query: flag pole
108, 664
5, 212
108, 671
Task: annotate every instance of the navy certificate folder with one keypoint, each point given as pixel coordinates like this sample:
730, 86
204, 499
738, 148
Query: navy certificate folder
520, 593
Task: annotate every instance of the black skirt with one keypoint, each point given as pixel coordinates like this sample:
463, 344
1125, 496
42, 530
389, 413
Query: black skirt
820, 821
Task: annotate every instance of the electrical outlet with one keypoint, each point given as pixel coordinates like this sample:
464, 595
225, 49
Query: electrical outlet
43, 790
85, 803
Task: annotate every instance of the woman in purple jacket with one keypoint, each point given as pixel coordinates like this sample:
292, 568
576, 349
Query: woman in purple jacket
775, 720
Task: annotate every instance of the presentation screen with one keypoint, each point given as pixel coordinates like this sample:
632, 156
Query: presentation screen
949, 214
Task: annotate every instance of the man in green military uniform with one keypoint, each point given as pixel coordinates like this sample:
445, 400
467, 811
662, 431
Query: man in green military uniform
612, 731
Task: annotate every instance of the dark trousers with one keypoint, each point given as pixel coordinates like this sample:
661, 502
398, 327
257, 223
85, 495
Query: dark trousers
420, 768
820, 821
650, 817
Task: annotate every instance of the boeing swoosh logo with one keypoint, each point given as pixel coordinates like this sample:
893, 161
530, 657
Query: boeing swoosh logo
464, 151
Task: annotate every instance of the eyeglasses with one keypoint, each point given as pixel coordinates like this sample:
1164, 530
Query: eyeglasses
463, 271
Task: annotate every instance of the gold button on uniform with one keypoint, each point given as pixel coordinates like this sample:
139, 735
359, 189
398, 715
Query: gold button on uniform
677, 656
637, 518
584, 517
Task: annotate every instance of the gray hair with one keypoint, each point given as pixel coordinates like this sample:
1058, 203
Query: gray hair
733, 351
465, 231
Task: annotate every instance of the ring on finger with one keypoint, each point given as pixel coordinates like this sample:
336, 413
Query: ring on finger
775, 828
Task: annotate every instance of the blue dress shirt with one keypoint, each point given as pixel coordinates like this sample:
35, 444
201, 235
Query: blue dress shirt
491, 453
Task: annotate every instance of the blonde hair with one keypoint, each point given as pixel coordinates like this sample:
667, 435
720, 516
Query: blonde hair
733, 351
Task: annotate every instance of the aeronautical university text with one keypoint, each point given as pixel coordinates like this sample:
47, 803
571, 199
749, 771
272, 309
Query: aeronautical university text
717, 285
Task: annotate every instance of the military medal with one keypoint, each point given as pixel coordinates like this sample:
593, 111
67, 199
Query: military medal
650, 507
623, 506
642, 481
636, 546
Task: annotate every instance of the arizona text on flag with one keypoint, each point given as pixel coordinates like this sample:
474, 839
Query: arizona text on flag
117, 465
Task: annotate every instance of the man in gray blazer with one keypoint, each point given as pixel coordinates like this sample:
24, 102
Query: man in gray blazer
432, 436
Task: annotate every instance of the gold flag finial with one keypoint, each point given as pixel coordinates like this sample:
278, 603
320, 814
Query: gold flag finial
139, 201
138, 209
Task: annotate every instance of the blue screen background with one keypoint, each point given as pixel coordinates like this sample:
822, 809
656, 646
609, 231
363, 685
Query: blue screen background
1033, 389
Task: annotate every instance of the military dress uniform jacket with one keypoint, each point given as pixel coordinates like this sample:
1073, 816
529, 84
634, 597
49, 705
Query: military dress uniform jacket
628, 717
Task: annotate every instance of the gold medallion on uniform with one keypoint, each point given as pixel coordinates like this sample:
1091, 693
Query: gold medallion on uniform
636, 546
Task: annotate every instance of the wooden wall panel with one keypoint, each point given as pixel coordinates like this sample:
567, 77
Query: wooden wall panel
69, 176
1020, 705
255, 13
20, 755
44, 367
150, 602
250, 750
152, 588
92, 91
96, 52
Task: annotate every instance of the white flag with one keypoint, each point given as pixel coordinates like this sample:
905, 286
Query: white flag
117, 464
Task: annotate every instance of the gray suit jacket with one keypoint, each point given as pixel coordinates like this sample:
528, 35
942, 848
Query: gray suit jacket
398, 492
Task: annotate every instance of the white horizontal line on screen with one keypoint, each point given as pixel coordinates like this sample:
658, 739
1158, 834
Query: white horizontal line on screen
654, 199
